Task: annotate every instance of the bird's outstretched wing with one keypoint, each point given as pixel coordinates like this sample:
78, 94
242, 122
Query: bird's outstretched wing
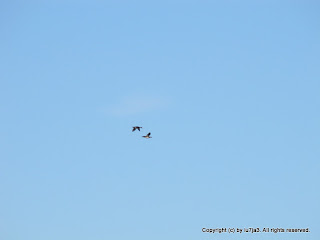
148, 134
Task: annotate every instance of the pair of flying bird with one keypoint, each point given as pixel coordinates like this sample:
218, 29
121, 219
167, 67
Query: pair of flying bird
136, 127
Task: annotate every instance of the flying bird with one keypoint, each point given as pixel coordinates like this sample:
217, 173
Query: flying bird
147, 136
135, 128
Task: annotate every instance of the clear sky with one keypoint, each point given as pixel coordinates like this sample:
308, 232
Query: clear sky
230, 91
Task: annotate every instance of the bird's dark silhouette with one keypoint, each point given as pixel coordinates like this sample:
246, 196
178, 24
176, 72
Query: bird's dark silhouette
135, 128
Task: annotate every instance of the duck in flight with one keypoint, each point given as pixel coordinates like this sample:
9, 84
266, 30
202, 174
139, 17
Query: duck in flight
135, 128
147, 136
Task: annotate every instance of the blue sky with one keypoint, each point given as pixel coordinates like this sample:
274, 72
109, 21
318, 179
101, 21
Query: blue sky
228, 90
